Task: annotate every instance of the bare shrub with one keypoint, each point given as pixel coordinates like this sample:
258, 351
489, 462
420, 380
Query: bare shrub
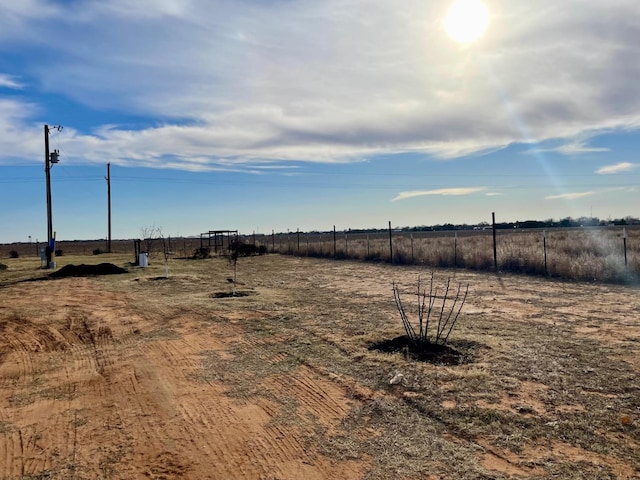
14, 254
440, 312
149, 236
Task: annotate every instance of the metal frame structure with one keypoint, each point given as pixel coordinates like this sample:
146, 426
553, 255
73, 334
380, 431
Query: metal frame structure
218, 237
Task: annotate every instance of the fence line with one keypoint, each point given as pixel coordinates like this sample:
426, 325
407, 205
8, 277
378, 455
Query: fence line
594, 253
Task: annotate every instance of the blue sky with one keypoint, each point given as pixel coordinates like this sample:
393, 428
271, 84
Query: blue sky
254, 115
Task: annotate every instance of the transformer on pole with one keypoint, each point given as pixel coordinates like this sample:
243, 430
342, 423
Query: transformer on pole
50, 158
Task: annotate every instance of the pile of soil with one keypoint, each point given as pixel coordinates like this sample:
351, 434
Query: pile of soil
425, 352
87, 270
231, 294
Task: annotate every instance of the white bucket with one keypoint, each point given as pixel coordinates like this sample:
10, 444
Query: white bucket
143, 260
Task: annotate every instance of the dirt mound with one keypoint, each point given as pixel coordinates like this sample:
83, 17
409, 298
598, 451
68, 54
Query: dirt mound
238, 293
87, 270
430, 353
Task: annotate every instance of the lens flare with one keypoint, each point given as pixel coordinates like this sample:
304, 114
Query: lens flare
467, 20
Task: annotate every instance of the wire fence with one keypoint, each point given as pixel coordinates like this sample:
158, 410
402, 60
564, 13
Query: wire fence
603, 254
610, 254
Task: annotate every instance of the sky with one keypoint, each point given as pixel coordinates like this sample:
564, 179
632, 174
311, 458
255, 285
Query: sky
263, 115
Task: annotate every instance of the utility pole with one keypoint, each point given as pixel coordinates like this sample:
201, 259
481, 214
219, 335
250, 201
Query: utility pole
49, 158
108, 179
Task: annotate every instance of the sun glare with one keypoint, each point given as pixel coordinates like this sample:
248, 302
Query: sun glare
467, 20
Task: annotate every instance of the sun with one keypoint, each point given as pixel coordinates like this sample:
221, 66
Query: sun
467, 20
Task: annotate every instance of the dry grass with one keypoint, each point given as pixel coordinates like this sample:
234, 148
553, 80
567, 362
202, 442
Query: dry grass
533, 382
591, 254
535, 387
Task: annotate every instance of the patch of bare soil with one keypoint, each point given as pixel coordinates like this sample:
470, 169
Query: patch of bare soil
113, 377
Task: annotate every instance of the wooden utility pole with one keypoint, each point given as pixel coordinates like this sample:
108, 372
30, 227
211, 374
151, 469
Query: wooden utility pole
49, 158
108, 178
47, 170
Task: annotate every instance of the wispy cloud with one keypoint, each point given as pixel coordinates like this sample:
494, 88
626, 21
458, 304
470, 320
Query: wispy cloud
575, 147
9, 81
617, 168
292, 81
494, 194
570, 196
441, 191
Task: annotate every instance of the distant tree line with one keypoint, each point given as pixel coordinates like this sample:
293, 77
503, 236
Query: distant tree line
567, 222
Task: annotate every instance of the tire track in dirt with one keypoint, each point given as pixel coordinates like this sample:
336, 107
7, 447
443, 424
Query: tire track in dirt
315, 399
231, 437
316, 396
239, 437
10, 455
70, 348
45, 436
121, 399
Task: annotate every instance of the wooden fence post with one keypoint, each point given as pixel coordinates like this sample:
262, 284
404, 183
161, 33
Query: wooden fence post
390, 244
455, 249
334, 242
412, 261
544, 245
495, 250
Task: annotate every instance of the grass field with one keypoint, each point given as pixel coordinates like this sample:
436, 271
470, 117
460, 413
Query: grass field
587, 254
595, 254
140, 376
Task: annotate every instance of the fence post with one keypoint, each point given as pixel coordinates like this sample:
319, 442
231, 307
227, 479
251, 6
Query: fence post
455, 249
624, 242
334, 242
306, 236
273, 241
544, 245
412, 248
346, 245
298, 235
390, 244
495, 250
368, 251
